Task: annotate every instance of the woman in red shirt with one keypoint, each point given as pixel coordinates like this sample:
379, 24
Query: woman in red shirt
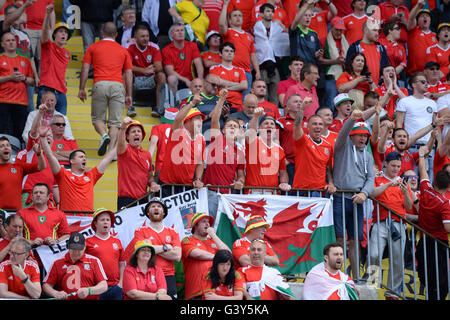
142, 278
222, 281
356, 79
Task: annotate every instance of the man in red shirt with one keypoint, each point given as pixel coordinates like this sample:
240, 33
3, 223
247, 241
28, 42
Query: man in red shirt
134, 165
109, 61
43, 224
179, 58
436, 87
434, 218
391, 191
61, 146
77, 275
286, 135
395, 10
109, 250
265, 159
295, 67
395, 50
20, 276
12, 174
184, 154
159, 137
309, 77
354, 22
230, 76
165, 241
259, 89
233, 30
312, 153
440, 52
54, 60
263, 282
343, 104
389, 90
147, 64
246, 9
13, 230
15, 75
420, 37
76, 186
198, 252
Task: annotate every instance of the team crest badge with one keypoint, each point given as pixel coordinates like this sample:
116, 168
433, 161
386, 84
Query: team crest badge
87, 266
168, 239
326, 151
115, 246
13, 170
182, 56
149, 58
42, 219
59, 146
86, 179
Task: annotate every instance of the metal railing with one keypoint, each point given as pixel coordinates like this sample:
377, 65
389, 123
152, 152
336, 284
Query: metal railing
435, 252
374, 269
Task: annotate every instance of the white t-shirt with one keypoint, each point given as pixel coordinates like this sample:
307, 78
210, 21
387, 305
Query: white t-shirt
442, 103
418, 114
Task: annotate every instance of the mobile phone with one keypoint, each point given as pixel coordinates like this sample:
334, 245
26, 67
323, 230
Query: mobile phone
405, 180
15, 69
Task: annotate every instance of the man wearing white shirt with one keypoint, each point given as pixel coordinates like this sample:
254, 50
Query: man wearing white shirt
271, 41
416, 111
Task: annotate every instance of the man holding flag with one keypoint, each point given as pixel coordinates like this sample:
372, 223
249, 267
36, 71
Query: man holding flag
263, 282
326, 281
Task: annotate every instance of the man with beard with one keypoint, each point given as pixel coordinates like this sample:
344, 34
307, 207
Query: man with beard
261, 281
326, 281
255, 228
76, 186
440, 52
109, 250
165, 241
134, 164
198, 252
312, 153
402, 142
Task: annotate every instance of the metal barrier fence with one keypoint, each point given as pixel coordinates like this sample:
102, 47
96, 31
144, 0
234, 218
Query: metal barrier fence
429, 258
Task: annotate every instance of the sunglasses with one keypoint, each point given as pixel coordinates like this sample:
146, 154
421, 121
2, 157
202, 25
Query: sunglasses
422, 81
60, 124
214, 85
412, 177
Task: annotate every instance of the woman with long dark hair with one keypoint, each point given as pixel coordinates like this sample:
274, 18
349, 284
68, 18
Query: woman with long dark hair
222, 281
356, 79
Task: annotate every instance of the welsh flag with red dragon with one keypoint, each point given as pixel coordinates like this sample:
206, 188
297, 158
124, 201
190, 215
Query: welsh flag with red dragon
300, 227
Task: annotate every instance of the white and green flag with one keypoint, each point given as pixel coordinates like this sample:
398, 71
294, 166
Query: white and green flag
300, 226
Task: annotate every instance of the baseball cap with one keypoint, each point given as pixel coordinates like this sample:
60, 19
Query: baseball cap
212, 33
255, 222
193, 113
442, 25
76, 241
421, 11
431, 64
98, 212
169, 115
341, 98
157, 200
266, 117
338, 23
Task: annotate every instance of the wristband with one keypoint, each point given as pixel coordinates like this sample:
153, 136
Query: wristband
157, 296
26, 279
90, 291
416, 201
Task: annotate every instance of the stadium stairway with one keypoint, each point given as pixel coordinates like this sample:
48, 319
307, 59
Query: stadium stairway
105, 192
